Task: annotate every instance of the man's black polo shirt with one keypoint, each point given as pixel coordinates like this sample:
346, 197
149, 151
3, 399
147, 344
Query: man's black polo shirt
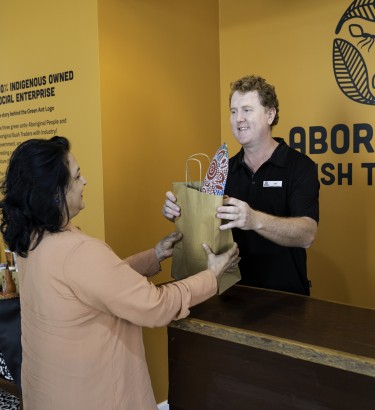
285, 185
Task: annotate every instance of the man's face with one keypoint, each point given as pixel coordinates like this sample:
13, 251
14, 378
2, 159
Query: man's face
250, 121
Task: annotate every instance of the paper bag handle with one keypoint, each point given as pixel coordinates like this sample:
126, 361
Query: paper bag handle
187, 169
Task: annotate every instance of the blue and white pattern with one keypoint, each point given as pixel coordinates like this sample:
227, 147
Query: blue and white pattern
8, 402
4, 372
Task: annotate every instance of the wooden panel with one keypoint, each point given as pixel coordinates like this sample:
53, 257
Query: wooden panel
206, 373
258, 349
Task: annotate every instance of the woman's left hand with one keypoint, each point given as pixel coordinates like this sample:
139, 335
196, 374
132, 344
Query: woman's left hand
164, 248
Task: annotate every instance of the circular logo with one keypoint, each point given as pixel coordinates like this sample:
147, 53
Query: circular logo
353, 56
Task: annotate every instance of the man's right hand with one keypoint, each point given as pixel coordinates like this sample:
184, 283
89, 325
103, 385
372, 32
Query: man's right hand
170, 209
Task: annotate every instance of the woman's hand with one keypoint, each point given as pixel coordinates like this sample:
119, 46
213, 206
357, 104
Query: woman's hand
164, 248
226, 261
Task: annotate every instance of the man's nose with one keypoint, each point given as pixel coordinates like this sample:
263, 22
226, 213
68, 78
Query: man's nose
240, 117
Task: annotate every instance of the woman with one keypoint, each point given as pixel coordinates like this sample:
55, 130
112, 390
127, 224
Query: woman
83, 307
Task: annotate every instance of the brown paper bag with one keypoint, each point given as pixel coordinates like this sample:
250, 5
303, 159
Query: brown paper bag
199, 225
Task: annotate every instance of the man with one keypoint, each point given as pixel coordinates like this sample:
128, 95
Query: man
273, 194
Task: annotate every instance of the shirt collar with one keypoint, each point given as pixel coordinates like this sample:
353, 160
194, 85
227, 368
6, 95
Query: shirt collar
278, 156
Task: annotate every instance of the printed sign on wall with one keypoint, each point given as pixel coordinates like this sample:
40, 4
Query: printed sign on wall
28, 110
354, 71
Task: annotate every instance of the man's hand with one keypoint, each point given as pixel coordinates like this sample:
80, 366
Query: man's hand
238, 213
170, 209
298, 232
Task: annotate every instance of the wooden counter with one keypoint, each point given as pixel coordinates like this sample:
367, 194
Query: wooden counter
259, 349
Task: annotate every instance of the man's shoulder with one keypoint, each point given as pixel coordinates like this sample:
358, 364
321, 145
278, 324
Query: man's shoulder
299, 156
236, 160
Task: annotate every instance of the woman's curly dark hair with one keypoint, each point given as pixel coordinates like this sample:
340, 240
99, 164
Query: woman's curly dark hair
34, 190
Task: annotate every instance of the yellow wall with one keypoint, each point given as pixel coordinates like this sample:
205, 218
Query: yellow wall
290, 43
159, 76
43, 37
159, 103
151, 82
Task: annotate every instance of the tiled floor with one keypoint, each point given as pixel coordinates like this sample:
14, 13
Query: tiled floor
8, 402
163, 406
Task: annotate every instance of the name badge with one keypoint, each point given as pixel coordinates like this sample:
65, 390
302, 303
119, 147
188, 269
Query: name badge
272, 184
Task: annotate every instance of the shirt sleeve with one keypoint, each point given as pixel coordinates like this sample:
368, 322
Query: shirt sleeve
101, 280
146, 263
303, 199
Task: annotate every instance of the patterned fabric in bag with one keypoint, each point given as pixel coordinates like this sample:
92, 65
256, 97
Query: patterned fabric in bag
216, 176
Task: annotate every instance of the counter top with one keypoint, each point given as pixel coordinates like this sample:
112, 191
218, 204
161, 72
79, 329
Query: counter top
323, 332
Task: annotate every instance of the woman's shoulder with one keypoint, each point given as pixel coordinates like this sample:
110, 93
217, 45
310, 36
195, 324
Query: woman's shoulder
71, 237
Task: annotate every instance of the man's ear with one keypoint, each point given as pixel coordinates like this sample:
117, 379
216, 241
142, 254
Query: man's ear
271, 115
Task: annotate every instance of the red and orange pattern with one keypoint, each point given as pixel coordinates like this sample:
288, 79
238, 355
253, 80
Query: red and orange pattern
216, 176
